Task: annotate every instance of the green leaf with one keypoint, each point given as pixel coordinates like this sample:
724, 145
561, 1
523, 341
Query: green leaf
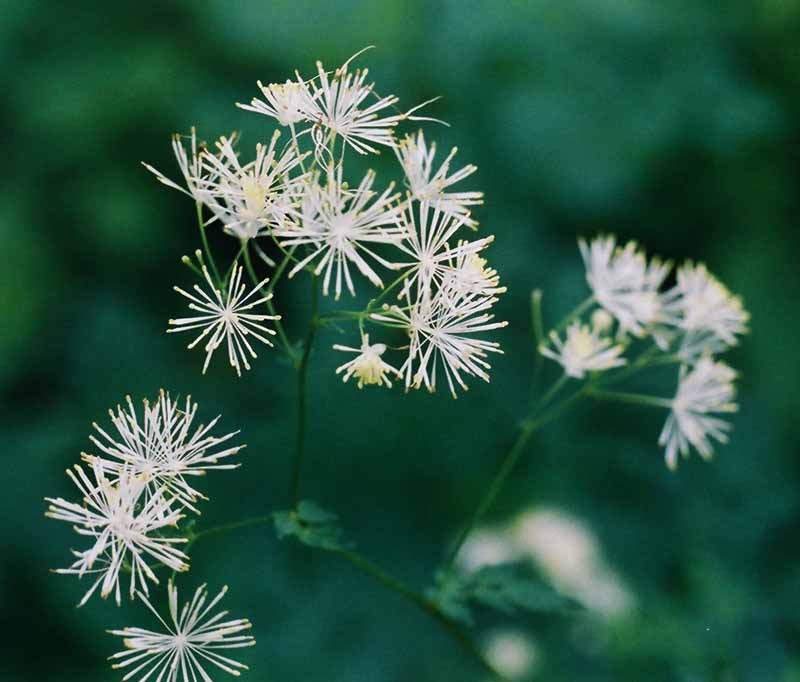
312, 525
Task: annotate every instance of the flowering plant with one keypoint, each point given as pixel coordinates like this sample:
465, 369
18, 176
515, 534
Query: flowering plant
293, 211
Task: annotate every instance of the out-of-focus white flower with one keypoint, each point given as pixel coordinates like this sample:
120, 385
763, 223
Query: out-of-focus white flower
161, 449
368, 366
341, 226
191, 642
705, 389
426, 239
706, 311
124, 526
486, 546
442, 334
569, 553
289, 102
253, 198
190, 163
225, 318
511, 653
584, 350
417, 158
624, 283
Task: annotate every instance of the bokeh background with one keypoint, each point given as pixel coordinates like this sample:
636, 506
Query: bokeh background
675, 123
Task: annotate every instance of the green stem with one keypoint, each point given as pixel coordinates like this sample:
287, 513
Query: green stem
287, 347
302, 371
206, 248
631, 398
538, 337
576, 312
255, 521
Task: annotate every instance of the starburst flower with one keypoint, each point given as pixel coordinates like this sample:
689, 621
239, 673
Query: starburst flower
125, 527
252, 198
290, 102
190, 643
706, 311
469, 274
190, 163
624, 283
341, 226
442, 334
702, 391
224, 318
584, 350
161, 449
427, 236
417, 159
368, 366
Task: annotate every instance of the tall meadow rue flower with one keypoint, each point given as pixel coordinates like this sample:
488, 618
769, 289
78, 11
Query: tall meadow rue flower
417, 160
289, 103
427, 235
368, 366
342, 226
468, 274
161, 449
190, 643
706, 311
224, 318
705, 389
584, 350
195, 175
442, 334
624, 283
124, 527
251, 199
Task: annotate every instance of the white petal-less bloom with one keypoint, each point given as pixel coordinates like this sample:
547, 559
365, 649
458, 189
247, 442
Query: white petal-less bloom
124, 526
425, 184
188, 647
584, 350
251, 199
468, 274
705, 390
342, 106
161, 448
190, 163
290, 102
225, 318
624, 283
443, 334
427, 236
706, 311
342, 226
368, 366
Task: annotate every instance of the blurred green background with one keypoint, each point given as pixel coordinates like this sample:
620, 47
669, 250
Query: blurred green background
675, 123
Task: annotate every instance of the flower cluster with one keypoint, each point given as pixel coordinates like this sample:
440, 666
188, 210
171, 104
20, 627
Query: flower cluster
688, 324
133, 496
295, 200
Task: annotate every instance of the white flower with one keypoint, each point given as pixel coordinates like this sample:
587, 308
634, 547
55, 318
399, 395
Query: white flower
288, 102
706, 311
191, 166
224, 318
124, 526
416, 158
191, 641
340, 105
707, 388
368, 367
512, 653
251, 199
440, 333
468, 274
584, 350
427, 234
161, 449
624, 283
340, 225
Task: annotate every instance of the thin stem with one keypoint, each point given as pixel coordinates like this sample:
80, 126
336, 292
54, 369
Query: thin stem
576, 312
421, 602
631, 398
206, 248
279, 270
224, 528
538, 337
287, 346
302, 371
